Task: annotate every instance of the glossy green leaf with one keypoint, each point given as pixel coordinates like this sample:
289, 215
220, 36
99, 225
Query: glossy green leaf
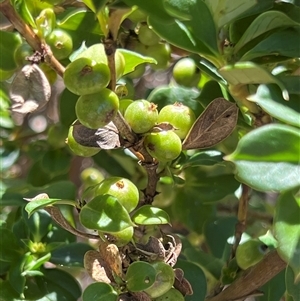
267, 158
80, 20
149, 215
95, 5
68, 289
178, 34
222, 228
179, 9
292, 288
226, 11
139, 276
269, 143
33, 263
38, 224
16, 278
277, 44
7, 292
134, 59
24, 11
106, 214
287, 230
155, 9
9, 248
206, 158
269, 98
195, 277
5, 116
8, 157
274, 289
8, 44
100, 292
70, 254
249, 73
263, 23
203, 28
165, 95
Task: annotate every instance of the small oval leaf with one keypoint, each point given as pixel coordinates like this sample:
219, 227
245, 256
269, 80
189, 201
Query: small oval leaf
149, 215
100, 292
106, 214
140, 276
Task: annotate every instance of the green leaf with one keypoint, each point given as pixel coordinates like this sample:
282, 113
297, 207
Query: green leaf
9, 248
178, 34
155, 9
7, 292
203, 28
58, 282
140, 276
269, 143
134, 59
249, 73
38, 224
95, 5
8, 44
8, 157
99, 292
265, 22
165, 95
287, 230
226, 11
205, 261
106, 214
267, 158
195, 276
277, 44
292, 288
204, 158
70, 254
222, 228
269, 98
179, 9
23, 10
149, 215
274, 289
38, 204
16, 278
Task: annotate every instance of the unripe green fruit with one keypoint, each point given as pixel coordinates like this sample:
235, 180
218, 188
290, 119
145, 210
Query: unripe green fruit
161, 53
186, 73
97, 53
124, 104
123, 237
21, 53
164, 280
121, 188
91, 176
137, 16
147, 36
164, 146
141, 115
61, 43
250, 253
179, 116
49, 72
97, 110
85, 76
171, 295
79, 149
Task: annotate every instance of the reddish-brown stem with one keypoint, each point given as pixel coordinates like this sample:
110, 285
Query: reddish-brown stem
252, 279
32, 39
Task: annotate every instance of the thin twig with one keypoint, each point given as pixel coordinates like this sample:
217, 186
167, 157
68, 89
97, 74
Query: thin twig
252, 279
32, 39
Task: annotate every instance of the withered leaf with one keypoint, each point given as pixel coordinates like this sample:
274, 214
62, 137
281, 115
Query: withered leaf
30, 90
182, 283
106, 137
214, 125
97, 267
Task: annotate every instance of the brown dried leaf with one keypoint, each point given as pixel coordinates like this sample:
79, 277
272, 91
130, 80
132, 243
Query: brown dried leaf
111, 255
181, 283
96, 267
30, 90
214, 125
106, 137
